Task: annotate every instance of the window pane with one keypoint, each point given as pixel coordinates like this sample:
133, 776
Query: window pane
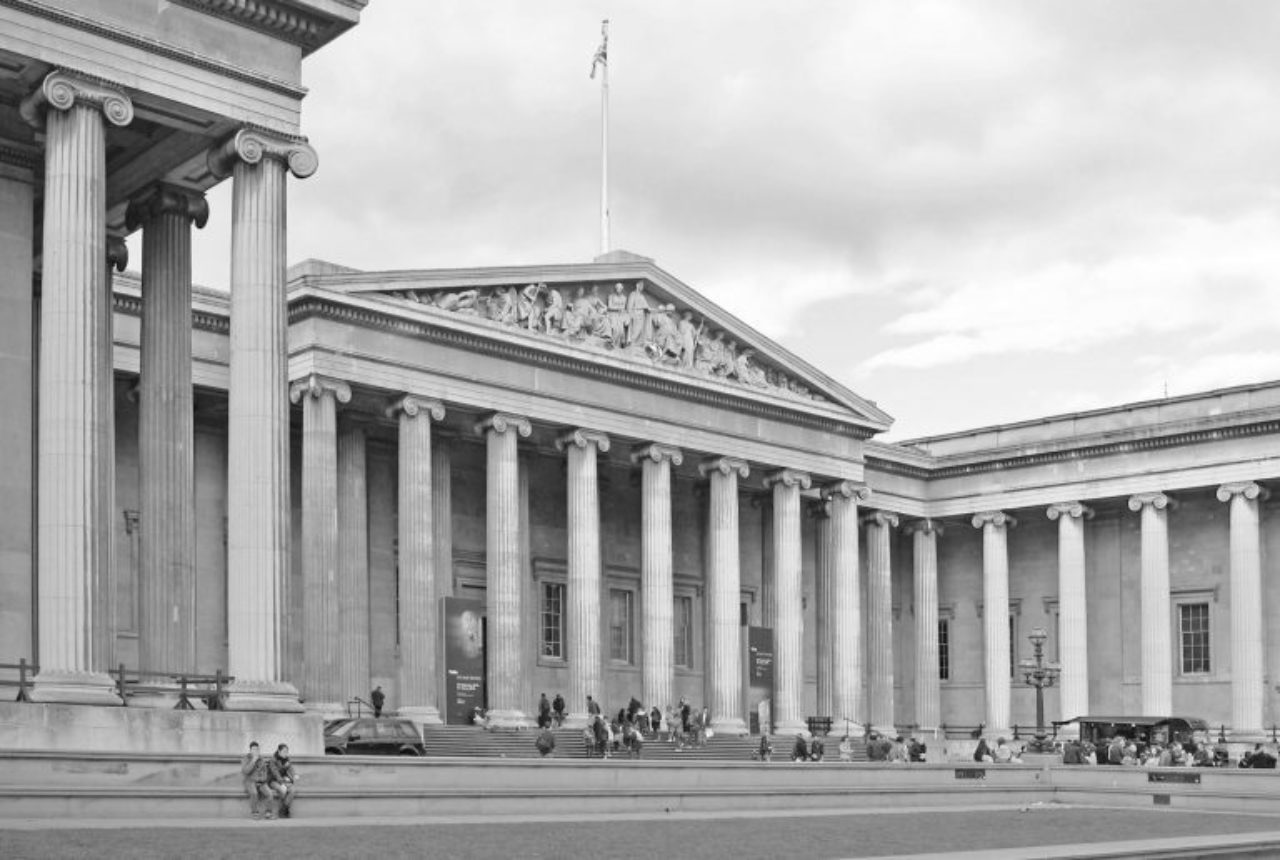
1013, 646
683, 631
1193, 621
944, 649
620, 612
553, 620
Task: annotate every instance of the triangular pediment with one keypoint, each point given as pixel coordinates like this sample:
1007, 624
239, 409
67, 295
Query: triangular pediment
622, 306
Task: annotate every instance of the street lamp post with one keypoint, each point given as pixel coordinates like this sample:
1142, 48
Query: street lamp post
1039, 673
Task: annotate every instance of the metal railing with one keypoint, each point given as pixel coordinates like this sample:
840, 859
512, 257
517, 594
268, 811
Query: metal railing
210, 689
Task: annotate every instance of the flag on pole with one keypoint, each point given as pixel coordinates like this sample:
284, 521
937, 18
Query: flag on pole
602, 53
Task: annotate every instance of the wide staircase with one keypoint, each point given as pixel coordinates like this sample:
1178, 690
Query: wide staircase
472, 741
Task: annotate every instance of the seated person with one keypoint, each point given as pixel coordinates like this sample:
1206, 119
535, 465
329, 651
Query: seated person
283, 782
1003, 753
800, 751
817, 749
846, 748
256, 773
765, 752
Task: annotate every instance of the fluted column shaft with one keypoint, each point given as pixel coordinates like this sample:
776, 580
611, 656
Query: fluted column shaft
824, 576
503, 585
419, 675
76, 422
1157, 644
353, 562
724, 593
1073, 624
166, 432
846, 600
880, 620
995, 618
924, 579
657, 590
788, 634
1246, 607
583, 573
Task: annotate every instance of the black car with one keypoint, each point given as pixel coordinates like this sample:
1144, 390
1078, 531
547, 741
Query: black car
371, 736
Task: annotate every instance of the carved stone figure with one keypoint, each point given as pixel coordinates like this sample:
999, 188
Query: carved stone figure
503, 305
553, 313
529, 306
664, 342
617, 316
463, 301
638, 320
747, 371
689, 334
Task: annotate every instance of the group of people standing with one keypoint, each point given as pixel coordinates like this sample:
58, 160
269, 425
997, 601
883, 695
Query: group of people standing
629, 730
270, 782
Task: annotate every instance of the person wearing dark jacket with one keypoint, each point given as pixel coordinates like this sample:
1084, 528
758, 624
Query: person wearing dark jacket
983, 752
378, 698
283, 779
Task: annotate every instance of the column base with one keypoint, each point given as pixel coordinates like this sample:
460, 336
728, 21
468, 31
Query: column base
887, 730
513, 719
326, 710
791, 727
74, 688
732, 726
423, 715
278, 697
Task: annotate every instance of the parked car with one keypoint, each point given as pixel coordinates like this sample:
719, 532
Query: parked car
370, 736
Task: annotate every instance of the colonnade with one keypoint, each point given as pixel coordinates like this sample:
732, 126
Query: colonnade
76, 425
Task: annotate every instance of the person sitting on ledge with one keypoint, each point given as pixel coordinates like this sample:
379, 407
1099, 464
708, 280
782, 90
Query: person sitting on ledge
283, 780
800, 751
256, 773
982, 752
765, 752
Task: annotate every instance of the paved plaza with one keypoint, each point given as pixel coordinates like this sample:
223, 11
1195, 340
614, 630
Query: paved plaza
990, 832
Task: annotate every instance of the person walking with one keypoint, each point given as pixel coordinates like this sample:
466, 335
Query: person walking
379, 699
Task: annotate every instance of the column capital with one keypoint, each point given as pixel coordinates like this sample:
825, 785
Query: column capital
880, 518
315, 385
1159, 501
251, 145
995, 518
414, 405
1074, 510
1251, 490
657, 453
501, 422
788, 478
162, 198
117, 253
725, 466
61, 90
581, 438
846, 490
923, 526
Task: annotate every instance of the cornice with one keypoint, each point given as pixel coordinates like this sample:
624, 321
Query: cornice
27, 158
309, 306
266, 16
151, 46
131, 305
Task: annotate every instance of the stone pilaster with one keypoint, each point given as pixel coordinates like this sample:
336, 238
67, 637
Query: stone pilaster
1157, 644
166, 431
846, 600
1247, 684
1073, 624
788, 634
76, 458
353, 561
582, 590
657, 591
504, 579
995, 616
258, 424
924, 579
419, 612
321, 679
724, 593
881, 706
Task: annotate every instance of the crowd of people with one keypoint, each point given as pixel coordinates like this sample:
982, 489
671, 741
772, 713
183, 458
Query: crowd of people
1130, 752
629, 730
270, 781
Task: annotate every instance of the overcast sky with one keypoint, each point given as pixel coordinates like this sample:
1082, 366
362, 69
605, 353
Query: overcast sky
970, 212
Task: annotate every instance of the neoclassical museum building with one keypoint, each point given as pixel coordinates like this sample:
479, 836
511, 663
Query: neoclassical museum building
472, 486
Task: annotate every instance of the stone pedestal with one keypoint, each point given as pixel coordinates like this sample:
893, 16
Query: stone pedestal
657, 592
1157, 644
995, 617
880, 705
846, 598
788, 634
724, 653
1247, 686
1073, 624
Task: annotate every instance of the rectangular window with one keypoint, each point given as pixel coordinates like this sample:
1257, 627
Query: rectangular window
683, 629
1013, 646
944, 649
1193, 628
621, 624
553, 620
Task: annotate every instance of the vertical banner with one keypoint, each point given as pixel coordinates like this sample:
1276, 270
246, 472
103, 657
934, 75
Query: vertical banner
759, 680
464, 678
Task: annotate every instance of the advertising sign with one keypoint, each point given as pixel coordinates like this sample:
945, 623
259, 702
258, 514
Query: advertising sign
464, 642
759, 665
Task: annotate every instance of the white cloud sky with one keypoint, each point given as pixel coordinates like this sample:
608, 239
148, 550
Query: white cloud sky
970, 213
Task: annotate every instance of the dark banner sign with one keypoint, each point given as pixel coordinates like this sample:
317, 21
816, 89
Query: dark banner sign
463, 625
759, 666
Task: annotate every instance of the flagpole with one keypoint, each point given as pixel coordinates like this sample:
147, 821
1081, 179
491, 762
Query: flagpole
604, 143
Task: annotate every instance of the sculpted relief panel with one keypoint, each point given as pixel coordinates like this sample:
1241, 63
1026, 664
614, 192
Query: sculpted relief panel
629, 323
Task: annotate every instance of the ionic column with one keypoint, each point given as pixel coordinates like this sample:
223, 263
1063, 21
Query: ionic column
788, 634
1073, 624
322, 677
880, 620
724, 594
823, 595
503, 576
353, 562
995, 616
583, 574
76, 454
845, 614
166, 431
1246, 607
419, 675
1157, 644
924, 579
258, 424
657, 592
